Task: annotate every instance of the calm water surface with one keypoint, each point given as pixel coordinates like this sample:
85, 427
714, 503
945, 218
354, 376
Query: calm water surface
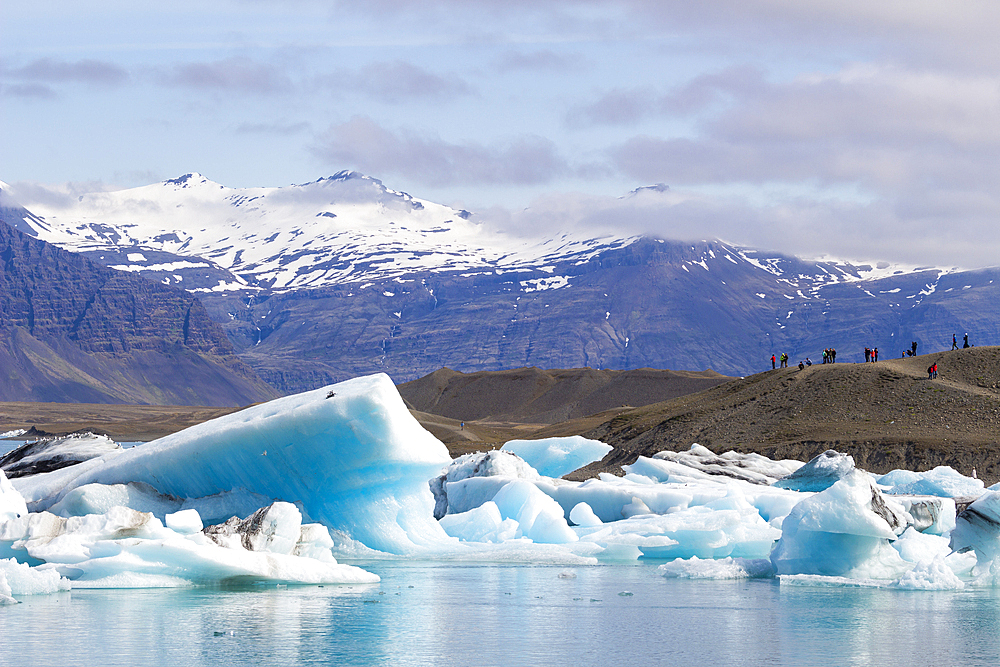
447, 614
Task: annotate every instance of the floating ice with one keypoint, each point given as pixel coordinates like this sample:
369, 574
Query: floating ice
19, 579
46, 454
583, 515
820, 473
843, 531
351, 454
482, 524
555, 457
942, 481
125, 548
538, 516
723, 568
977, 528
12, 505
503, 465
748, 467
351, 457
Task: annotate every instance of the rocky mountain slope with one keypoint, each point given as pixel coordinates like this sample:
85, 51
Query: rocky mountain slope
887, 415
342, 277
71, 330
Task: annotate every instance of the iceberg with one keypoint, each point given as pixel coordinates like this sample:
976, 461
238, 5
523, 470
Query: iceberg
843, 531
350, 455
748, 467
124, 548
942, 481
555, 457
819, 474
45, 454
278, 491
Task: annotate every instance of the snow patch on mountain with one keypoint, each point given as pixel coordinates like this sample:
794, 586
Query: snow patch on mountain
334, 230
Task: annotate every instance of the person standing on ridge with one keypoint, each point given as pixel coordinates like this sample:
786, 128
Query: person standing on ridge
954, 342
773, 359
875, 354
913, 348
868, 355
966, 344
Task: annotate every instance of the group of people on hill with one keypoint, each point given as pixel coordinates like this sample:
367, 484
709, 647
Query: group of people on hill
871, 355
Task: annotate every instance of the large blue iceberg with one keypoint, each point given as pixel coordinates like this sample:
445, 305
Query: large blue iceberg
278, 491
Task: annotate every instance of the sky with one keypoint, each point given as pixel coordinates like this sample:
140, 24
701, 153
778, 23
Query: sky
841, 129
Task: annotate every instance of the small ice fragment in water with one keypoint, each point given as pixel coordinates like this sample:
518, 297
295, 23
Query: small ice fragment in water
567, 575
625, 594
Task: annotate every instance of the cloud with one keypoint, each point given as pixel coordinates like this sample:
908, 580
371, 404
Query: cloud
364, 145
886, 128
397, 81
624, 107
49, 70
28, 90
236, 74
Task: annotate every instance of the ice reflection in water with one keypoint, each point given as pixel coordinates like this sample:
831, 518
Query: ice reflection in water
506, 615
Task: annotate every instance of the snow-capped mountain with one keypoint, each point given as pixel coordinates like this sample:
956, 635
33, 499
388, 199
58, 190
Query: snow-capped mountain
348, 227
343, 276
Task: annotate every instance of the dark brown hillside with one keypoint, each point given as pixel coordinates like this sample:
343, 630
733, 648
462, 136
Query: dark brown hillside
887, 415
533, 395
74, 331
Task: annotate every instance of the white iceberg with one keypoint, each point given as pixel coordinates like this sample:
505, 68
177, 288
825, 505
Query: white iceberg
844, 531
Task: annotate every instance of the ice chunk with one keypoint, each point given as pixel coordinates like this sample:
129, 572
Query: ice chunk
942, 481
820, 473
748, 467
46, 454
184, 522
843, 531
350, 453
929, 514
315, 542
539, 517
932, 575
125, 548
494, 463
482, 524
274, 528
728, 526
635, 508
978, 528
583, 515
12, 505
19, 579
555, 457
723, 568
100, 498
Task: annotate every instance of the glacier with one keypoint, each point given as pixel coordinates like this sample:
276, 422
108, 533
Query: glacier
285, 490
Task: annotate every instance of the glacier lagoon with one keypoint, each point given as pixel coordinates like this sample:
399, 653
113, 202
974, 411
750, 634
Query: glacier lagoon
426, 613
351, 509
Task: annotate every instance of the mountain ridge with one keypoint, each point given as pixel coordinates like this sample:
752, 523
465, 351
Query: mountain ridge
71, 330
343, 276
